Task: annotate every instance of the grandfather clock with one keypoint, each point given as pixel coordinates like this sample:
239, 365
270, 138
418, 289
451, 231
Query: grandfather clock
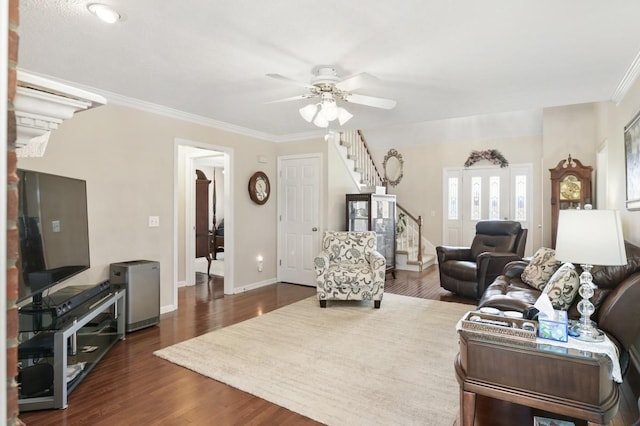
570, 189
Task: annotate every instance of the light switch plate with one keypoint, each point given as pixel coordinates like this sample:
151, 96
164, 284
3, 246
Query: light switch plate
154, 221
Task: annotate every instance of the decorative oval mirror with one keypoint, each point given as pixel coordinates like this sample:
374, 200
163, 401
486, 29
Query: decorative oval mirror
392, 166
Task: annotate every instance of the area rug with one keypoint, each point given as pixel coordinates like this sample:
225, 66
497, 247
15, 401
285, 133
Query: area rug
345, 364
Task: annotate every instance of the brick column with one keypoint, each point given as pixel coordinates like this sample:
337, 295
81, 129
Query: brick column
12, 230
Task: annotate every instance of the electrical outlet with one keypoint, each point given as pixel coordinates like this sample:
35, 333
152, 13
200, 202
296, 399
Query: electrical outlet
154, 221
55, 226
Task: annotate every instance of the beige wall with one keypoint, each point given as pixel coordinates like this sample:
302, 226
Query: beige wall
566, 130
420, 191
579, 130
582, 130
339, 183
127, 158
623, 113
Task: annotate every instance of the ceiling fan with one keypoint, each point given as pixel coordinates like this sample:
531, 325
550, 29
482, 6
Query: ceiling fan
329, 88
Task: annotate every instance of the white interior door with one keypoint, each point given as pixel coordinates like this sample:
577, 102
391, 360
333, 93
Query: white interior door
299, 218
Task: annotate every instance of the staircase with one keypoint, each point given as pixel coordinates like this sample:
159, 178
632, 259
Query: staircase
413, 251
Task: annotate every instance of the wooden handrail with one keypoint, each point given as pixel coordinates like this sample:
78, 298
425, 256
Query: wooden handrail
375, 167
415, 219
418, 222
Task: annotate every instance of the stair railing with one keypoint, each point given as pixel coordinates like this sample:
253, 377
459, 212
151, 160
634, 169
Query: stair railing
358, 151
409, 233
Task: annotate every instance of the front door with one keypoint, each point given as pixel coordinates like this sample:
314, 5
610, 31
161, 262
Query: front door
481, 193
298, 218
485, 195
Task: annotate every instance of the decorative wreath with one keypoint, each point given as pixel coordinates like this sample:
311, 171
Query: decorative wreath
493, 155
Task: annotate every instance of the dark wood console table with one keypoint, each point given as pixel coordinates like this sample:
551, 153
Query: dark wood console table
567, 382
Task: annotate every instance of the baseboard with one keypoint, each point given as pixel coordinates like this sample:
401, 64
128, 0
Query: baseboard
168, 308
254, 286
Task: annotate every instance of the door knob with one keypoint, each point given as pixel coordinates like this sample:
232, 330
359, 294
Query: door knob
314, 229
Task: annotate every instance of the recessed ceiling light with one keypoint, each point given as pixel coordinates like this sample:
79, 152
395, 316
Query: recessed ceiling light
104, 12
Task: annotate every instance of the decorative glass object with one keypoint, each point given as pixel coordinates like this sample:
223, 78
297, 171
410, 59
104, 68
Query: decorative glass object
589, 237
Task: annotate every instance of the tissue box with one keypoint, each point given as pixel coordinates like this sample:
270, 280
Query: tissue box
553, 328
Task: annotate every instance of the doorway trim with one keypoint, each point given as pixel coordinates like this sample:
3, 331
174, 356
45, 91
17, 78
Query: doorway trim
228, 212
602, 176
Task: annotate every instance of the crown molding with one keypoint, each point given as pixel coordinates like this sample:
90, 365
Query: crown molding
41, 105
629, 78
121, 100
116, 99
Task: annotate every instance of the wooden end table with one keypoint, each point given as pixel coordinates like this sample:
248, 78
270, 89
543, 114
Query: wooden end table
564, 381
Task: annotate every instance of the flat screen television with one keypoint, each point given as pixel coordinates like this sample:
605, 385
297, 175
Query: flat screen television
53, 231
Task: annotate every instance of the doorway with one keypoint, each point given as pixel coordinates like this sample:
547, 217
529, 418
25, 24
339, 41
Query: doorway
481, 193
188, 156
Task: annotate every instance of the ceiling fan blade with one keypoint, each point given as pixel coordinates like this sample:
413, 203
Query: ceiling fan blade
355, 82
292, 98
370, 101
290, 80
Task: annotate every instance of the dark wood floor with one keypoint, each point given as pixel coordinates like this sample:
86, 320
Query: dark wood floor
131, 386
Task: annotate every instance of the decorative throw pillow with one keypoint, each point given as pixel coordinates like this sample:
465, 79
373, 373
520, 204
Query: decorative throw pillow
563, 286
540, 269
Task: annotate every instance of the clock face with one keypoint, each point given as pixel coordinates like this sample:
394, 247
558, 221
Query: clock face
259, 188
570, 188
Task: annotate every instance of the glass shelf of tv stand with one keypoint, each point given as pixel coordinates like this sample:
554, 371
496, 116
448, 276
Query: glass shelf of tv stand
71, 344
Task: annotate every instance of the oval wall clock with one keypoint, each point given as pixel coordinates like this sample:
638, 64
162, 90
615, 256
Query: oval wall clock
259, 188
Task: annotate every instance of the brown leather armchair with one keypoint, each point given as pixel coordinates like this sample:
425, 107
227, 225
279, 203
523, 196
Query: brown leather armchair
468, 271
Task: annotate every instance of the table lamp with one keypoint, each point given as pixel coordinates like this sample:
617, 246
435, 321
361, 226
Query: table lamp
589, 237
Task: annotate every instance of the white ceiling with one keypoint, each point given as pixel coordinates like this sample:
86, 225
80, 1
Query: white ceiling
439, 59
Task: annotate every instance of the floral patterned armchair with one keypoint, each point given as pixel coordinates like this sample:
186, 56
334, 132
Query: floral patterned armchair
350, 268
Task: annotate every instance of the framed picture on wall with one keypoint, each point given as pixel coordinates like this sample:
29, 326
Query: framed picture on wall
632, 156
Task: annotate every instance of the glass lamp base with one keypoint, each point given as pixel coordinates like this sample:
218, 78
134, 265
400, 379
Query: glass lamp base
588, 333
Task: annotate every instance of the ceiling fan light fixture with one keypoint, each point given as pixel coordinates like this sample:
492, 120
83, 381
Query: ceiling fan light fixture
308, 112
344, 115
330, 110
321, 121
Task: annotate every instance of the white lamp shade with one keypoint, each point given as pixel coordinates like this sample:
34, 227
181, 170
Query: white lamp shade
321, 121
590, 237
308, 112
330, 110
343, 115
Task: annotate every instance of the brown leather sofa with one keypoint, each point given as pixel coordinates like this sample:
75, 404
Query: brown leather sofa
616, 299
468, 271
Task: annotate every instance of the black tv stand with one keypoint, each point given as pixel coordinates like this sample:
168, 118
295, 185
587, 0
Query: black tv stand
52, 346
66, 299
36, 301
